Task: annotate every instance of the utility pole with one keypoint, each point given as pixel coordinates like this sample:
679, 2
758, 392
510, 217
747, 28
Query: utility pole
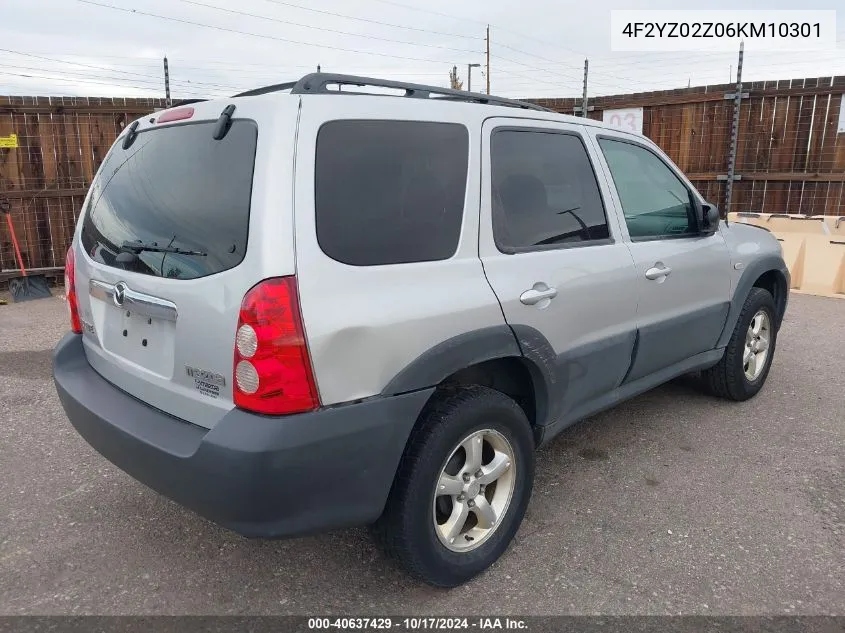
488, 59
584, 97
734, 132
166, 84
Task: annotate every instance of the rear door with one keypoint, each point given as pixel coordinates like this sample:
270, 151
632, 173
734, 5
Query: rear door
167, 247
553, 256
683, 277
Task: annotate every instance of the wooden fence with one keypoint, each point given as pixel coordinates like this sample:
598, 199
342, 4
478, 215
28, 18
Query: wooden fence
60, 143
790, 156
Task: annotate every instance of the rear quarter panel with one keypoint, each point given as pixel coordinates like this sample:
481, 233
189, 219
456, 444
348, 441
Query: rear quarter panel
366, 323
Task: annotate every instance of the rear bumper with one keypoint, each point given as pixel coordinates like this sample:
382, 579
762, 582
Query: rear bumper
257, 475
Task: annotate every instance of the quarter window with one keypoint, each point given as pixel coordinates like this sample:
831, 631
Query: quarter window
390, 192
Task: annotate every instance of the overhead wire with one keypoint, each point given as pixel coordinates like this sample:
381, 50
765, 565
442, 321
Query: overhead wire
368, 20
327, 30
61, 61
75, 81
258, 35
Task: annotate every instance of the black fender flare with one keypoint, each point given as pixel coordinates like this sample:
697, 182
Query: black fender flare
749, 277
485, 344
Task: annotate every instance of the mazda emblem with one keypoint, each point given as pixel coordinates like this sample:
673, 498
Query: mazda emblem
119, 293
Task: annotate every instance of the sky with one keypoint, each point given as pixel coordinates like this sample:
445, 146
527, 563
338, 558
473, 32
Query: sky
114, 48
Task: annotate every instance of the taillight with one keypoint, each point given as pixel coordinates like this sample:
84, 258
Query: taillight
272, 369
70, 292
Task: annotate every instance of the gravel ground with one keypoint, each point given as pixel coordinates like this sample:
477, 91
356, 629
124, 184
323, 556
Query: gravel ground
671, 503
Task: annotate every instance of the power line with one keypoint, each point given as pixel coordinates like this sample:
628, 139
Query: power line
79, 74
429, 11
326, 30
369, 21
544, 70
259, 35
77, 81
552, 61
61, 61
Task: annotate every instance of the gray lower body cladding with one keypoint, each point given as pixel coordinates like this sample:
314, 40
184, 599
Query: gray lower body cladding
260, 476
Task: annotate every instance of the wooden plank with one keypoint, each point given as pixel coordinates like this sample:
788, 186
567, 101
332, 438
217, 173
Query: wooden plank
838, 150
748, 133
815, 194
783, 144
764, 140
47, 142
61, 227
775, 197
795, 193
820, 127
832, 199
86, 151
806, 109
741, 196
826, 153
32, 175
721, 118
74, 176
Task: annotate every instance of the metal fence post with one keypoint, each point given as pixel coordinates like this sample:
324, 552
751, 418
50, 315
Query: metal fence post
734, 133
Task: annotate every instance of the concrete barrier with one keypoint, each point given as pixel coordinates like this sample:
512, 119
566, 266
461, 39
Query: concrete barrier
813, 249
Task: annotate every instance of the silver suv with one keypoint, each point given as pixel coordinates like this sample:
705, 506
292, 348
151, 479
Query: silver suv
309, 306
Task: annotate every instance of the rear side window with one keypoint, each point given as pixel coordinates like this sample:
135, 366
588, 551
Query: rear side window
176, 203
390, 192
545, 192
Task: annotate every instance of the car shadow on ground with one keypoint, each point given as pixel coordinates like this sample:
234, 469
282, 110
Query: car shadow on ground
169, 537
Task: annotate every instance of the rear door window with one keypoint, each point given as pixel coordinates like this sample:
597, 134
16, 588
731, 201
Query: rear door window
176, 203
545, 193
390, 192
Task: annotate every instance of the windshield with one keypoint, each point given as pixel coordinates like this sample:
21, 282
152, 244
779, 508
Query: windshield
178, 193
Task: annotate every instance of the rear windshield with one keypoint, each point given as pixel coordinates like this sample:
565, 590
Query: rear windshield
176, 203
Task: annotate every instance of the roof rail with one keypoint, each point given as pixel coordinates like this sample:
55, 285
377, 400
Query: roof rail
266, 89
318, 83
183, 102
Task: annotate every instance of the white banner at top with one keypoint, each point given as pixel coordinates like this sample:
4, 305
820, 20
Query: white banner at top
722, 30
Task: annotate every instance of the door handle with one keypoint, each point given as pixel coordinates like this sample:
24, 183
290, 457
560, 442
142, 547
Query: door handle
658, 272
536, 294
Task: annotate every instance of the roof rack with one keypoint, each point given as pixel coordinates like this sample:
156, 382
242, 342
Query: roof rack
183, 102
263, 91
318, 83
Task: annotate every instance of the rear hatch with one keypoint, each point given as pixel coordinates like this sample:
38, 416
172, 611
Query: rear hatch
176, 228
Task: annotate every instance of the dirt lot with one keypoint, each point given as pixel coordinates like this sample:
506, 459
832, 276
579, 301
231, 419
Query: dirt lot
671, 503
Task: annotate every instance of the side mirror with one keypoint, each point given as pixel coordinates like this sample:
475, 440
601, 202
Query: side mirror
709, 214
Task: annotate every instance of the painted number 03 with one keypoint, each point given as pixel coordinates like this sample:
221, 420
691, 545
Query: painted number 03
625, 121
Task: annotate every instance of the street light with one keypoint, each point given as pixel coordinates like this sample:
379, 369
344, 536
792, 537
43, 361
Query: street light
469, 75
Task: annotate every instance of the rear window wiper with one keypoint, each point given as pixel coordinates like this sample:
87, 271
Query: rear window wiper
140, 247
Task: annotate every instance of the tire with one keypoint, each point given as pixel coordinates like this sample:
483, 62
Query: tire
728, 378
407, 530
